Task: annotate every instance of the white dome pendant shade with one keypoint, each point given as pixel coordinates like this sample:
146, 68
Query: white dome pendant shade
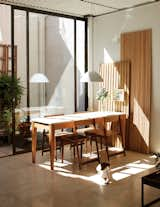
91, 77
39, 78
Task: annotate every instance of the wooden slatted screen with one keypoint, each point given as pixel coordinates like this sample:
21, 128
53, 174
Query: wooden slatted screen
136, 47
5, 59
116, 76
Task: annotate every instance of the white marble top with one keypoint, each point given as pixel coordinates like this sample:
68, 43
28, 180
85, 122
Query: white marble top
74, 117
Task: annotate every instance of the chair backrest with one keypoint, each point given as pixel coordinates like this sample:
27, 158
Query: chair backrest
112, 124
113, 118
66, 125
100, 123
84, 123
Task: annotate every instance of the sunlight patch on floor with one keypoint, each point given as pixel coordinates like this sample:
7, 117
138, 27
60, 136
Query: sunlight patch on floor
94, 178
58, 165
119, 176
117, 173
131, 169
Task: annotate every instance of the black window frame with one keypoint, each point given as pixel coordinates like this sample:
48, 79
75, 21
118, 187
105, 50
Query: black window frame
32, 10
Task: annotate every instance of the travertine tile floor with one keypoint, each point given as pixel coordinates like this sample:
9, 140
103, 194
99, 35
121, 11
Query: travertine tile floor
23, 184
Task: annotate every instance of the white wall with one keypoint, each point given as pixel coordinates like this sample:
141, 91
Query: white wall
107, 48
5, 24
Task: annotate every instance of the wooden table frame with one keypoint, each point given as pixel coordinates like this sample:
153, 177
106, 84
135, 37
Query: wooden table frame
51, 125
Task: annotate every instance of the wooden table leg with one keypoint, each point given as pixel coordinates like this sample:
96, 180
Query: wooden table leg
123, 129
34, 142
52, 145
142, 194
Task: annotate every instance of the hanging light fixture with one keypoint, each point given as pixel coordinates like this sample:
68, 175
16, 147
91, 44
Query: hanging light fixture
91, 77
39, 78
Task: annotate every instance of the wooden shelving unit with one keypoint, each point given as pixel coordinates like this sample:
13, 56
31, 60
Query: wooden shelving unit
5, 59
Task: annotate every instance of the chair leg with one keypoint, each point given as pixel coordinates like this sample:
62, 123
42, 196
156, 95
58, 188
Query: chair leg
43, 143
56, 155
62, 153
81, 149
101, 142
107, 152
124, 151
123, 145
97, 150
78, 157
106, 145
90, 145
86, 144
74, 153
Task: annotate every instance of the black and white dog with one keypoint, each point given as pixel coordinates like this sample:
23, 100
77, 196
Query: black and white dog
103, 169
157, 160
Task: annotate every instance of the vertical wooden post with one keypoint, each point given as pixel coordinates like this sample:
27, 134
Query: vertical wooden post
52, 143
34, 142
123, 129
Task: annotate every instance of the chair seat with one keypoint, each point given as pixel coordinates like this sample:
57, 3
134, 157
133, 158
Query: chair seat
99, 132
64, 134
76, 139
95, 132
84, 130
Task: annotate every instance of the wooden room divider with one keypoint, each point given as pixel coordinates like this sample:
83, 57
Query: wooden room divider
116, 79
5, 59
137, 48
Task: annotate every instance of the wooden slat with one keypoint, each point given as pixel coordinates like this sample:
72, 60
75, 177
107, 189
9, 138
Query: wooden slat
136, 47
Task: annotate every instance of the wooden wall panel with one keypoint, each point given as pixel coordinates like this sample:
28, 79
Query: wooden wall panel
136, 47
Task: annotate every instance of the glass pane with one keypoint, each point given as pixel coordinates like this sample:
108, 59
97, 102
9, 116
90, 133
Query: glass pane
80, 40
5, 69
51, 53
21, 74
60, 63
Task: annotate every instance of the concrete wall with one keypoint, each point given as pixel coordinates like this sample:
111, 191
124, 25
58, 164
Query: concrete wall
106, 34
59, 62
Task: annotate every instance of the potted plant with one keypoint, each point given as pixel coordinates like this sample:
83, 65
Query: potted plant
10, 95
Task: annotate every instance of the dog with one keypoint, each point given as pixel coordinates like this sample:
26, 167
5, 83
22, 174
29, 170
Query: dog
157, 160
103, 169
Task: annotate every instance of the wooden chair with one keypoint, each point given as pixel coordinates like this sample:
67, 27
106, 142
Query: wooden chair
67, 136
105, 128
82, 127
45, 142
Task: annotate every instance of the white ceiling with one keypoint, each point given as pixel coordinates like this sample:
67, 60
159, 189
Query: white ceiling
79, 7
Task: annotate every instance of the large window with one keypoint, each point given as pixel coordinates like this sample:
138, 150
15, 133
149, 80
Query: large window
5, 68
55, 47
80, 60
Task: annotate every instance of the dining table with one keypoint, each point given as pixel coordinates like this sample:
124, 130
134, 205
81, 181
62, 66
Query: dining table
52, 123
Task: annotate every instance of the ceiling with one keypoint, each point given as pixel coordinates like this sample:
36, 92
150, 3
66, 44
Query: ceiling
81, 7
